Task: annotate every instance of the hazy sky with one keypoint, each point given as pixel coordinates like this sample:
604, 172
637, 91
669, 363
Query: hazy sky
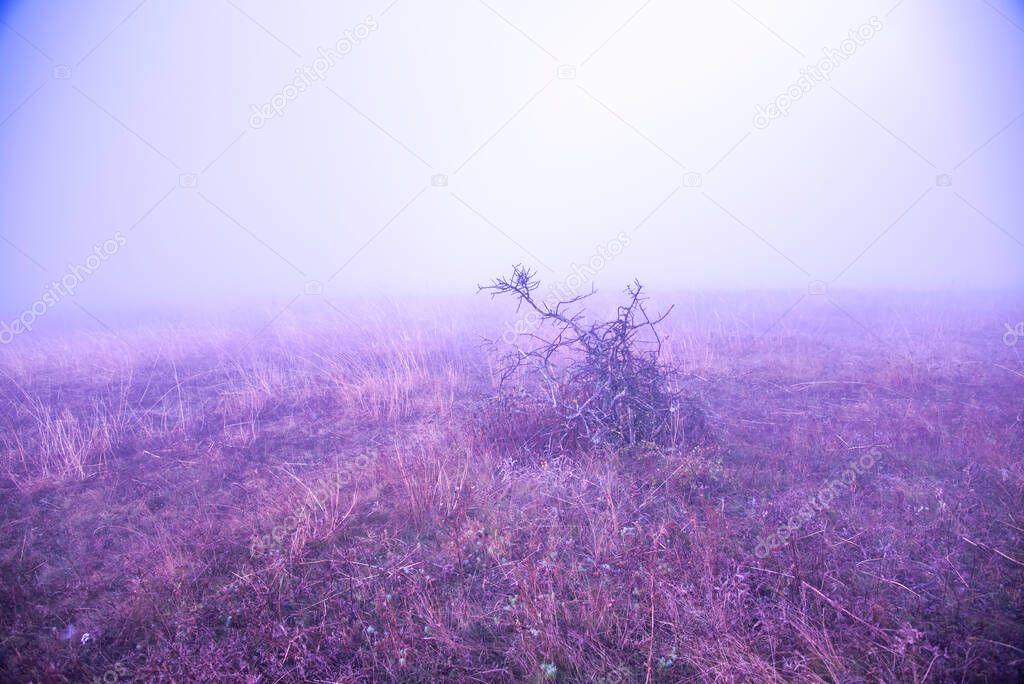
222, 156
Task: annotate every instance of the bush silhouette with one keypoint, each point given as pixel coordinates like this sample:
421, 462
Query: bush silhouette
600, 382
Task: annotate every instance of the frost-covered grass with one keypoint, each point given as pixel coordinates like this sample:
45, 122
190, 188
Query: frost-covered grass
328, 499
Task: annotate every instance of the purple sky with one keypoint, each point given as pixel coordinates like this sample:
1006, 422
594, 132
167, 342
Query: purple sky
426, 148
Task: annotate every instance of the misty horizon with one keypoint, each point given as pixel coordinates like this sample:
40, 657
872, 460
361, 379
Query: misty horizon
394, 150
511, 341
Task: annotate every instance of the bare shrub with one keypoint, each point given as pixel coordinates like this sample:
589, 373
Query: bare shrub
592, 382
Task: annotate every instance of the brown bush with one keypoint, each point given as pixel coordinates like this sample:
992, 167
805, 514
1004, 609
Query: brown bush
597, 383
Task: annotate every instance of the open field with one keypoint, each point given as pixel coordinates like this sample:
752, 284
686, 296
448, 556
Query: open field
332, 498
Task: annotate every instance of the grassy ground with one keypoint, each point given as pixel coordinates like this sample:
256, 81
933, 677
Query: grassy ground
333, 499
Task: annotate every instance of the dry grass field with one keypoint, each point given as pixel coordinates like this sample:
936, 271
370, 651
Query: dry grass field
335, 497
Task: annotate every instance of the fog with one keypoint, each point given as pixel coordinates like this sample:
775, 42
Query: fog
184, 155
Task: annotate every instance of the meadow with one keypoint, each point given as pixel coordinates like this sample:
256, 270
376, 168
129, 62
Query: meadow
333, 494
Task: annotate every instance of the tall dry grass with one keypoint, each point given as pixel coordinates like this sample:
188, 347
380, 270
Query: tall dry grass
334, 499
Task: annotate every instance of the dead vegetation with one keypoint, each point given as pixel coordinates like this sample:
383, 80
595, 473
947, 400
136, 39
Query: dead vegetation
321, 506
600, 383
